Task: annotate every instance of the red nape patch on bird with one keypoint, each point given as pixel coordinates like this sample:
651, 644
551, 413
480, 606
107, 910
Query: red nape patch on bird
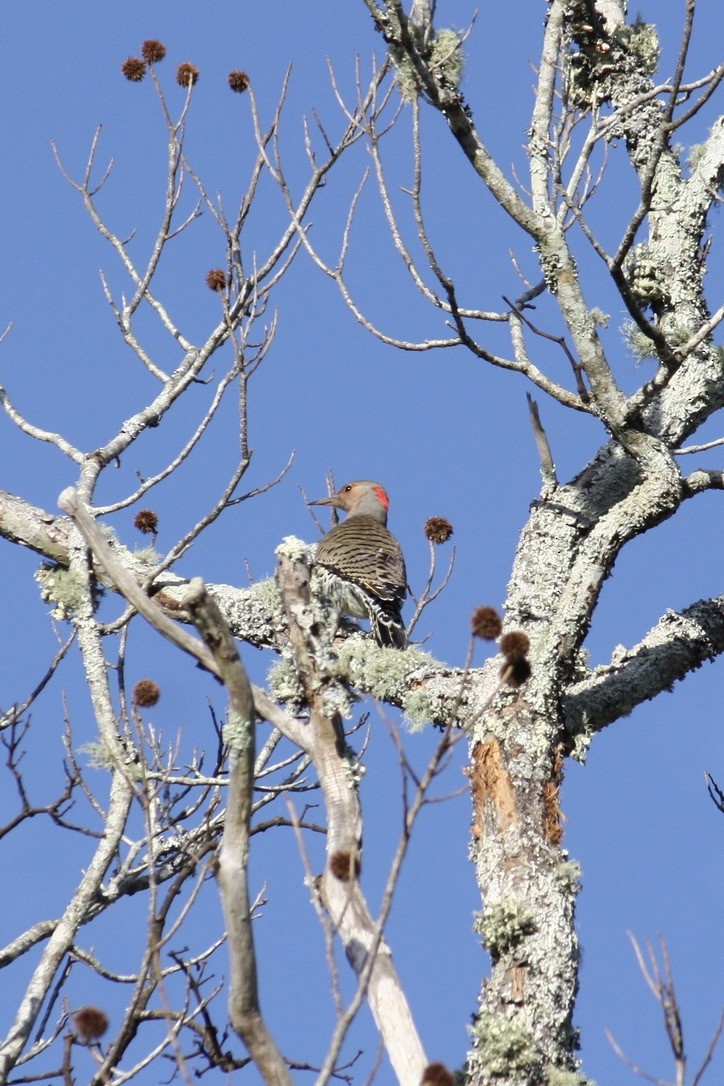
382, 495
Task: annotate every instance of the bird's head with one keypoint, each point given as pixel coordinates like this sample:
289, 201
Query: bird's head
361, 496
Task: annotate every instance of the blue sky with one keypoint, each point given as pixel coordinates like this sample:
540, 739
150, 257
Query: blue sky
446, 435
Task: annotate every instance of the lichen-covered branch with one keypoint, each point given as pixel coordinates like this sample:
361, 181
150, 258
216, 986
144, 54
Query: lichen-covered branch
75, 914
233, 860
677, 645
340, 892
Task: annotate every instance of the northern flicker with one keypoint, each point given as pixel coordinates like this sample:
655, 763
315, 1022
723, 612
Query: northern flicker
359, 563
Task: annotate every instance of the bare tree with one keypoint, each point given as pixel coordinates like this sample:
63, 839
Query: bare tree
661, 984
168, 818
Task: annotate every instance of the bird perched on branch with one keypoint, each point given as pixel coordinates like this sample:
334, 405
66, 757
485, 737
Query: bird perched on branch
359, 563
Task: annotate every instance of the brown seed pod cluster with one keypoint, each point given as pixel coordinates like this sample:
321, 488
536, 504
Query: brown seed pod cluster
187, 74
146, 521
516, 668
438, 529
436, 1074
134, 69
239, 81
146, 693
91, 1022
153, 51
486, 623
216, 279
515, 645
345, 865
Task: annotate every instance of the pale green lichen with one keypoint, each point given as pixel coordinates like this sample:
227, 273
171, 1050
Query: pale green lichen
336, 699
582, 81
591, 60
354, 771
237, 732
405, 75
599, 318
646, 277
101, 756
286, 687
503, 925
503, 1048
109, 532
63, 588
569, 873
678, 332
641, 41
147, 556
267, 594
641, 347
581, 665
696, 153
581, 745
551, 265
421, 708
555, 1076
98, 755
265, 607
383, 672
284, 684
445, 60
295, 549
638, 343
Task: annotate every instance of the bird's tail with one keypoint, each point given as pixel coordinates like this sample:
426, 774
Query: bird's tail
388, 629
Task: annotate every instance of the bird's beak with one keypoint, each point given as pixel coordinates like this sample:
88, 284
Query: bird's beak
331, 500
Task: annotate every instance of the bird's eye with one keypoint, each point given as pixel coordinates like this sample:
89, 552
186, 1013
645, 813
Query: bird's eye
348, 488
